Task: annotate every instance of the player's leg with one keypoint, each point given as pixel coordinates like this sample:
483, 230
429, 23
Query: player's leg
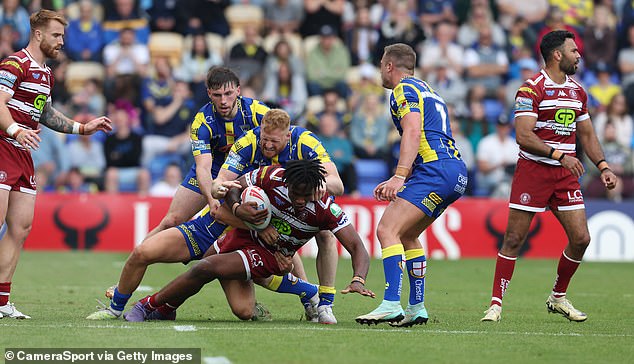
327, 259
18, 209
575, 225
518, 225
240, 295
226, 265
168, 246
185, 204
289, 283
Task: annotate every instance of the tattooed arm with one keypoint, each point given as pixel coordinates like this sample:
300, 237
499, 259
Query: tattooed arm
56, 120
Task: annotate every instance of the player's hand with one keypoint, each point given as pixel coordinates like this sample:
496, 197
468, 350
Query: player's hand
269, 235
101, 123
28, 138
386, 191
213, 206
573, 165
248, 212
219, 190
284, 263
319, 193
359, 288
608, 178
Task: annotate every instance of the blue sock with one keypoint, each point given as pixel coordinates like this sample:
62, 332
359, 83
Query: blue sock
326, 295
119, 300
416, 267
288, 283
393, 270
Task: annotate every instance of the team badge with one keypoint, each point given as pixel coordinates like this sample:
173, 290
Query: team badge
550, 92
3, 176
573, 94
525, 198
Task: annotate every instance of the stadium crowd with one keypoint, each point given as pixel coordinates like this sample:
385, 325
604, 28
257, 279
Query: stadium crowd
143, 63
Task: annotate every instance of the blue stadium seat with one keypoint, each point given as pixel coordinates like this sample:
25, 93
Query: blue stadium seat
370, 172
158, 165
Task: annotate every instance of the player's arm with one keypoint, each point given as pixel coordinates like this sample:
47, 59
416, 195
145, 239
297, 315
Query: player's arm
592, 147
203, 175
57, 121
243, 211
334, 184
224, 181
26, 137
352, 242
410, 141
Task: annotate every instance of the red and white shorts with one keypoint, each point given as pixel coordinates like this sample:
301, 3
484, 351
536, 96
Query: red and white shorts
537, 185
16, 169
259, 262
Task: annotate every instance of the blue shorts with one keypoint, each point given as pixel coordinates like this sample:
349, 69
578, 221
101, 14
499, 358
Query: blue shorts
201, 233
435, 185
190, 182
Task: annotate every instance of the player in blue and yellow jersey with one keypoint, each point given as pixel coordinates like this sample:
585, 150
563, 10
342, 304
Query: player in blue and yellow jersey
276, 142
429, 177
215, 128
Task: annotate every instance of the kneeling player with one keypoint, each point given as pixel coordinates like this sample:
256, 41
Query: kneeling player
245, 254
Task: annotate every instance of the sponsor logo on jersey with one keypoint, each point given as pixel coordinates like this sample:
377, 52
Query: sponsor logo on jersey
193, 182
282, 227
39, 102
562, 93
523, 104
575, 196
199, 145
527, 90
550, 92
335, 209
12, 64
36, 75
563, 119
7, 78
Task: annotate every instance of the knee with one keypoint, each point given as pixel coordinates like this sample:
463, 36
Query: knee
513, 241
581, 242
141, 255
203, 271
172, 219
243, 312
384, 233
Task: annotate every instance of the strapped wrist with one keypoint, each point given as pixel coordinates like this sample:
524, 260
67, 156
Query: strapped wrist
14, 130
234, 207
78, 128
401, 172
358, 279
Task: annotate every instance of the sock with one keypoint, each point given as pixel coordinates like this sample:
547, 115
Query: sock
119, 300
288, 283
166, 309
151, 302
504, 267
326, 295
5, 290
566, 268
393, 270
416, 267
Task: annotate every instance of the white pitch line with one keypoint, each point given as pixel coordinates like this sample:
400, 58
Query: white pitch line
184, 328
329, 328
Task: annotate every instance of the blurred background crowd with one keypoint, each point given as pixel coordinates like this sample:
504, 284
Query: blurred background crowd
143, 63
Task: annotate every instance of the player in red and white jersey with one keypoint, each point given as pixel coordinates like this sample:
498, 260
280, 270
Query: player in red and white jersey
550, 114
245, 254
25, 90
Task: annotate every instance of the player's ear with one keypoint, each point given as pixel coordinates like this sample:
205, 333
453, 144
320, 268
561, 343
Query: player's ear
238, 90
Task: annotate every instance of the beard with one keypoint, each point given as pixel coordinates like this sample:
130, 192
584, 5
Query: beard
569, 68
48, 50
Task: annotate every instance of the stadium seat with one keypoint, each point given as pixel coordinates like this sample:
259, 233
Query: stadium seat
314, 104
370, 172
79, 72
167, 44
310, 42
215, 43
294, 40
157, 165
240, 15
72, 11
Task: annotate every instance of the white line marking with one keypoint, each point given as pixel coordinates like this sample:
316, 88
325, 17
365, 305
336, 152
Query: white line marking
319, 328
185, 328
216, 360
145, 289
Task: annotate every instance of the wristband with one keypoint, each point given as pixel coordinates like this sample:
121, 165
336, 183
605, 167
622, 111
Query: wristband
401, 172
358, 279
556, 154
234, 208
606, 169
602, 165
552, 150
78, 128
599, 163
562, 157
14, 130
399, 177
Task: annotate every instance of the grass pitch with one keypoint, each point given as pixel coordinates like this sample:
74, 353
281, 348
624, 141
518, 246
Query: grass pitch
59, 289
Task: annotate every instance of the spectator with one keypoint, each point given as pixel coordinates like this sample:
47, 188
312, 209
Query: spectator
520, 39
318, 13
75, 183
604, 90
125, 14
166, 187
626, 67
206, 16
433, 12
533, 12
86, 153
362, 38
496, 158
369, 129
15, 15
485, 63
123, 148
6, 41
50, 160
248, 57
600, 36
167, 16
442, 49
475, 124
399, 27
194, 67
575, 13
447, 83
617, 114
59, 93
526, 68
126, 63
340, 150
555, 21
89, 99
286, 89
327, 64
333, 105
283, 16
463, 145
480, 17
169, 108
84, 35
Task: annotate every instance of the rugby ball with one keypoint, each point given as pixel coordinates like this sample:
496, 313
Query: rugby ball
257, 195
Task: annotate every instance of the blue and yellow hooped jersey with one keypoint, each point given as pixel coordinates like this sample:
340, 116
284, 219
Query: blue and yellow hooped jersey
436, 142
212, 134
246, 154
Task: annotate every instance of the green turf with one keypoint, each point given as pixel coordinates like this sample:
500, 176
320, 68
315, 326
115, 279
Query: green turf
59, 290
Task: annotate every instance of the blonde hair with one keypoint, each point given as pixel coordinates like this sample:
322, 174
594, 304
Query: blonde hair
276, 119
402, 56
41, 19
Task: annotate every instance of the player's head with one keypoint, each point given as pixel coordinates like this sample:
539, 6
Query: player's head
303, 179
47, 32
274, 132
223, 89
559, 47
398, 60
